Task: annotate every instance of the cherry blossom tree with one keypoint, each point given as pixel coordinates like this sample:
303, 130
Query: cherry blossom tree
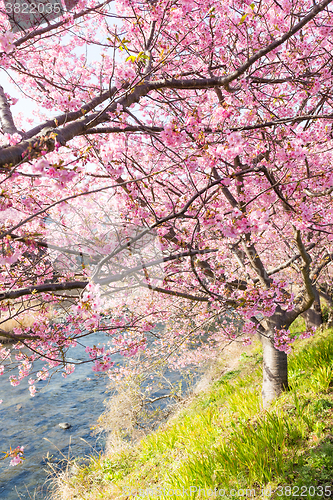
176, 171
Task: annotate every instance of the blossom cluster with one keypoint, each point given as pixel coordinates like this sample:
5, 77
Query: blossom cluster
6, 42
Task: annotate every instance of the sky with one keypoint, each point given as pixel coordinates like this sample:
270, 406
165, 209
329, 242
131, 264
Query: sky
27, 105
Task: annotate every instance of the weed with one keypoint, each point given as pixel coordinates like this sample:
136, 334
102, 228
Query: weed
223, 439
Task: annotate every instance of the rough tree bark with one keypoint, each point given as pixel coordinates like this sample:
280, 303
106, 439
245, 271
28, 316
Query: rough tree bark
326, 295
275, 362
275, 370
313, 316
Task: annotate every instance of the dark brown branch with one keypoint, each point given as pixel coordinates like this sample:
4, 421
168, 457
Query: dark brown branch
295, 119
306, 297
17, 337
44, 244
13, 155
327, 259
269, 176
54, 26
47, 287
208, 130
119, 130
72, 285
183, 295
225, 81
249, 249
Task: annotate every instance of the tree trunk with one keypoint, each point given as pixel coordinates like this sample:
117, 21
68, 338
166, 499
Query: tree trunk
313, 316
275, 371
329, 303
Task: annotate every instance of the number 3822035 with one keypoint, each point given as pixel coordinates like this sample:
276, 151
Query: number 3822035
304, 491
33, 8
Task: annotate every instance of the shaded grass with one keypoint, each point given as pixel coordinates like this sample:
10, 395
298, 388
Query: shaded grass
224, 440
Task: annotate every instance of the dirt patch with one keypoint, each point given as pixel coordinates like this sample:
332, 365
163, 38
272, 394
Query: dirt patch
229, 361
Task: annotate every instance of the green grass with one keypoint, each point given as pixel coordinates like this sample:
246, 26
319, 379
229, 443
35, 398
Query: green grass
224, 439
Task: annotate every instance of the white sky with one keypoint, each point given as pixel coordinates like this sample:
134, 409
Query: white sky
28, 106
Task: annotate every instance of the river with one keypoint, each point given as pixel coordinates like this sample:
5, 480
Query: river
34, 424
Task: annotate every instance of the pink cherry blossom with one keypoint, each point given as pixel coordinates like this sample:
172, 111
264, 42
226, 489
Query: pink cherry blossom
165, 180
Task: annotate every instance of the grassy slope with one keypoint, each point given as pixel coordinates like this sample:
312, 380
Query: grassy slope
223, 439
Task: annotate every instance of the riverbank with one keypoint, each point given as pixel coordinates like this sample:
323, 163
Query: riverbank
222, 439
34, 424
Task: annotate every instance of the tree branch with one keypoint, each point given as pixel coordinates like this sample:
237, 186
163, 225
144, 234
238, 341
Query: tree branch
12, 155
183, 295
269, 176
322, 264
288, 262
6, 117
72, 285
306, 297
313, 194
249, 249
54, 26
119, 130
43, 244
146, 128
225, 81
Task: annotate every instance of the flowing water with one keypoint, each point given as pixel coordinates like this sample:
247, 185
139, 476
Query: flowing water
34, 424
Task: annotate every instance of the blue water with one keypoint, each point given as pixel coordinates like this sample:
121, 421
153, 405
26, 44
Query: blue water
34, 424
